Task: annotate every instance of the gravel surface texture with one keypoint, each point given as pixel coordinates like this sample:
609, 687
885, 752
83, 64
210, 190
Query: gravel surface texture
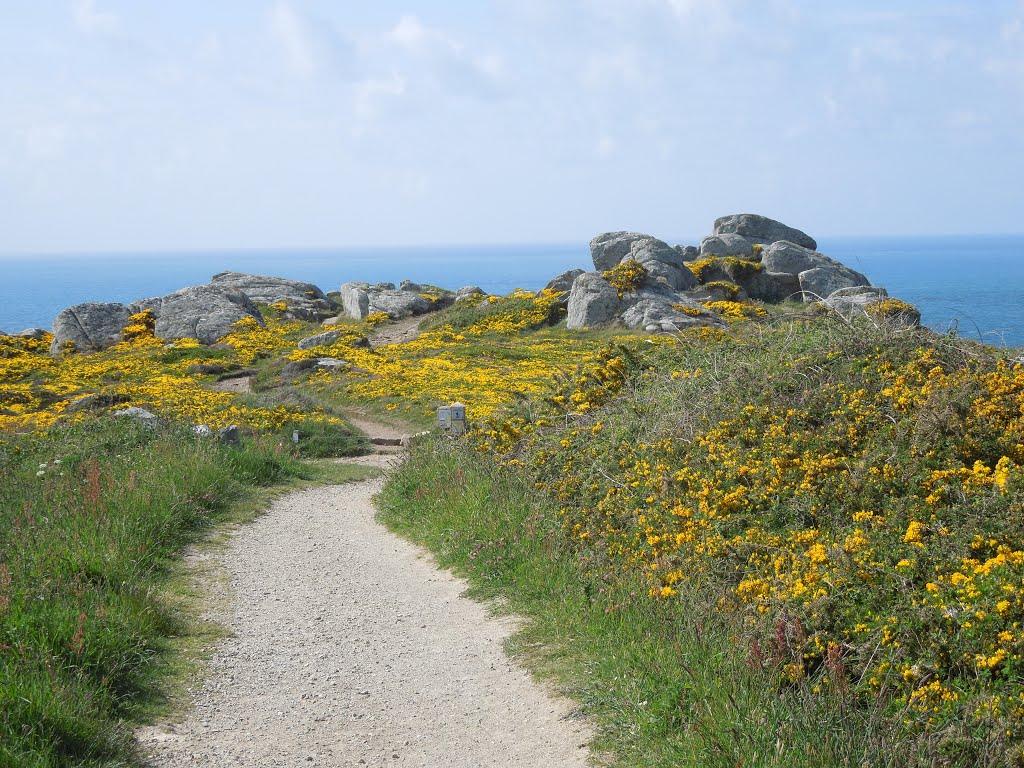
348, 647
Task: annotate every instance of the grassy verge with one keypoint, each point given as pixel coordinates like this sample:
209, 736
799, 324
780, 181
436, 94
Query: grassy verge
667, 683
793, 543
93, 519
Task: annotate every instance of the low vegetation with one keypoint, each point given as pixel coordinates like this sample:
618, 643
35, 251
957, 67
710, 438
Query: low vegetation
805, 530
92, 518
793, 541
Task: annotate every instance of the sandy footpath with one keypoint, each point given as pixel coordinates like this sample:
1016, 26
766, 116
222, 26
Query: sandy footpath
349, 648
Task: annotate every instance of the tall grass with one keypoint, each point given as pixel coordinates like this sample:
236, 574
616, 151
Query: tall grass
91, 519
667, 683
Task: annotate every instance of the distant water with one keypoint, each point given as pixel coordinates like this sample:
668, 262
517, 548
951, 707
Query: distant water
974, 284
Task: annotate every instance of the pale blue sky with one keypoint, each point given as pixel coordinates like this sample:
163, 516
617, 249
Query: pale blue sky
136, 124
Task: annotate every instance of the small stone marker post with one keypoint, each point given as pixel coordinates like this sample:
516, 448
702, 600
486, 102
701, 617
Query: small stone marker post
451, 419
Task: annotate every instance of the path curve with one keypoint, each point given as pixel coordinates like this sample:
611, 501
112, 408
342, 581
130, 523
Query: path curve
348, 647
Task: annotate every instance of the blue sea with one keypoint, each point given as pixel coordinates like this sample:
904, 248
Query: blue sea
971, 284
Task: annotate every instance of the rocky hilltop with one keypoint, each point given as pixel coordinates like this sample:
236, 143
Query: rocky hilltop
638, 281
642, 282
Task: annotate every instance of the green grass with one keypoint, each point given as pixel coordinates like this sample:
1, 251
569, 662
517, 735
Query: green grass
93, 520
666, 683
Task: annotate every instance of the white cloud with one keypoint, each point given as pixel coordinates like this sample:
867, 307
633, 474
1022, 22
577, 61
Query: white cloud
370, 96
89, 19
290, 33
410, 33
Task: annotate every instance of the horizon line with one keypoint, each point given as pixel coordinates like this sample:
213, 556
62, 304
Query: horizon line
197, 250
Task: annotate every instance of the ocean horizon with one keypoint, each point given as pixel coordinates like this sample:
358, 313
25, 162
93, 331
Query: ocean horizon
968, 284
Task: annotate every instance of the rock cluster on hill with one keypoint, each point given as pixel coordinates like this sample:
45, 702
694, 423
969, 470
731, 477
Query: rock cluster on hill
304, 301
203, 312
359, 300
746, 257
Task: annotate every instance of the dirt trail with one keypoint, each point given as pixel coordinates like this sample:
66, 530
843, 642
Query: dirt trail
348, 647
397, 332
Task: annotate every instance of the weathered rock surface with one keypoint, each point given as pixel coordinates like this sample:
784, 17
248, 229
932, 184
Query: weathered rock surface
688, 252
30, 333
202, 312
853, 301
592, 301
821, 282
468, 292
304, 301
90, 326
609, 248
362, 299
761, 229
661, 261
319, 340
564, 281
771, 287
139, 414
726, 244
659, 308
818, 274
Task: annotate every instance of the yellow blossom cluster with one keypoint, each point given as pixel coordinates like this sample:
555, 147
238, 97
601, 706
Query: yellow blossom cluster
873, 495
626, 275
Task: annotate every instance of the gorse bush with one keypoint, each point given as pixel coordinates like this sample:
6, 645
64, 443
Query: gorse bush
850, 492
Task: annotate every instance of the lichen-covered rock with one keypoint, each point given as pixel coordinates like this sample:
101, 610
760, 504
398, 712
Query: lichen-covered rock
203, 312
319, 340
355, 300
592, 301
821, 282
661, 261
468, 292
761, 229
564, 281
35, 334
304, 301
785, 256
361, 299
609, 248
659, 308
687, 252
140, 415
771, 287
90, 326
853, 301
726, 244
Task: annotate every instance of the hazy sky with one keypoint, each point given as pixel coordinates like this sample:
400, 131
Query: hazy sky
137, 124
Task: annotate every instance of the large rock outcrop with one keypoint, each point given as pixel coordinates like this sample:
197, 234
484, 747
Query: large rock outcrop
726, 244
202, 312
592, 301
747, 257
661, 260
304, 301
653, 305
89, 327
358, 300
761, 229
819, 275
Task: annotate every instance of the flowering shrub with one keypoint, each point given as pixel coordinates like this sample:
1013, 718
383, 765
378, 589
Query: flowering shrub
736, 310
862, 503
626, 275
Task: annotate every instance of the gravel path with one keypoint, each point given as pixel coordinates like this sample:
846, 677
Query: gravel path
349, 648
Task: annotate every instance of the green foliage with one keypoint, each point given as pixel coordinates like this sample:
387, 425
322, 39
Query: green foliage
665, 682
91, 518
